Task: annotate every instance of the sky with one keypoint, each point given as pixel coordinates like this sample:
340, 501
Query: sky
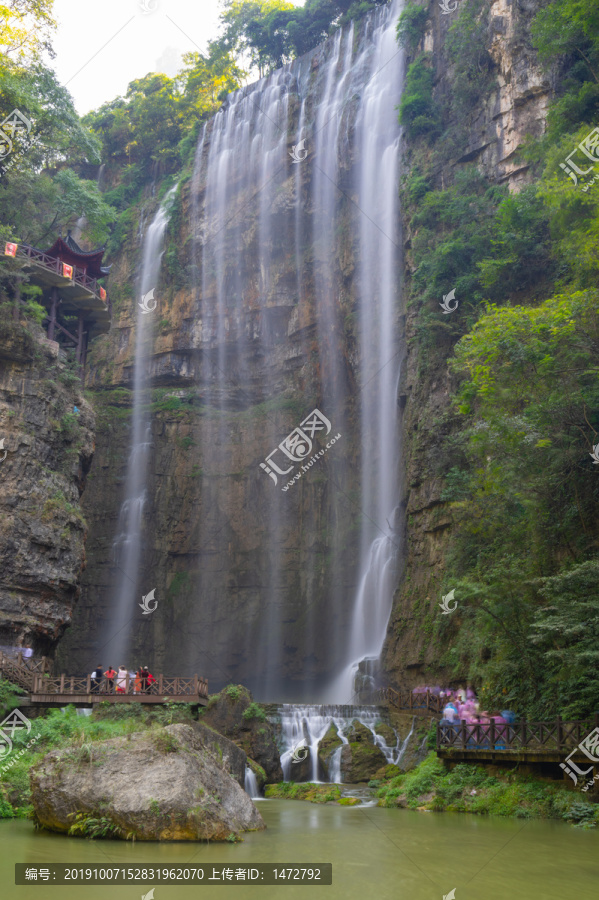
102, 46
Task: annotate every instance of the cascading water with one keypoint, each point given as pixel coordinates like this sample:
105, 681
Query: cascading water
127, 545
254, 209
303, 728
251, 784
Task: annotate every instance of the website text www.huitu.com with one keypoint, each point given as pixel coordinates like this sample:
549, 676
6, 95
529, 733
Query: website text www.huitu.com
310, 463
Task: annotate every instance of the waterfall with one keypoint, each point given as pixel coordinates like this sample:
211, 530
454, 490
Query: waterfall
272, 236
251, 784
127, 545
304, 727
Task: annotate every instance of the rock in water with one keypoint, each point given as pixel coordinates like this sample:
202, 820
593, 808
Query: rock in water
166, 785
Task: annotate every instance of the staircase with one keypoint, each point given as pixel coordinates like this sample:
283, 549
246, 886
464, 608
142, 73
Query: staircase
22, 671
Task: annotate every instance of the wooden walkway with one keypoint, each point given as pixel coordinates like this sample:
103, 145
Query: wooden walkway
44, 689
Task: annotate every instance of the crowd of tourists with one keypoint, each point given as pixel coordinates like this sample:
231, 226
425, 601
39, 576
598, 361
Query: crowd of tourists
461, 705
122, 681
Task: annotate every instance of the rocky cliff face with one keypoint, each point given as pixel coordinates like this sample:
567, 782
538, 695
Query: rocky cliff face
514, 110
48, 450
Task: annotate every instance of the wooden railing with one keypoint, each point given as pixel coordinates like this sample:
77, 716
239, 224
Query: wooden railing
21, 670
24, 251
532, 736
164, 686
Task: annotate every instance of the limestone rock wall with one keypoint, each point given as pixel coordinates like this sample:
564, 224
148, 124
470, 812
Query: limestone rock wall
49, 449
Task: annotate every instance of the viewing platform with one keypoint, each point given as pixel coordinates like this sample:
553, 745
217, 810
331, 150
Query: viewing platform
43, 689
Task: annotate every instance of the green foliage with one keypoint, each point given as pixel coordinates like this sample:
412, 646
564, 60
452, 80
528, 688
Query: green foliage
174, 712
93, 826
9, 697
315, 793
233, 691
6, 810
412, 26
272, 32
467, 47
469, 788
418, 112
253, 711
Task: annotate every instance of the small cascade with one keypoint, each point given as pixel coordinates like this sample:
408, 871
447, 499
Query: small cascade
251, 784
304, 727
127, 545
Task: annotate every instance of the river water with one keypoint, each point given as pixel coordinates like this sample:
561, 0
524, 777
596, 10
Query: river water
375, 853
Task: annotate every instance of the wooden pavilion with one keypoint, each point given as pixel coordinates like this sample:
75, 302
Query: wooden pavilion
69, 279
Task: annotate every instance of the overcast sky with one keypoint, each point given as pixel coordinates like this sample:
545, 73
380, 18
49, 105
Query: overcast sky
102, 46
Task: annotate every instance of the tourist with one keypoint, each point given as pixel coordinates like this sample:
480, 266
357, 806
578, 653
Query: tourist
137, 685
144, 679
27, 652
150, 679
97, 676
121, 680
110, 675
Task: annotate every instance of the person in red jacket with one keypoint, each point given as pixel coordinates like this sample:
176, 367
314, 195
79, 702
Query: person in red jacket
149, 680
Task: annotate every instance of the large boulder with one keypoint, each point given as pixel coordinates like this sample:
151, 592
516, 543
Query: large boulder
233, 713
361, 758
167, 784
327, 746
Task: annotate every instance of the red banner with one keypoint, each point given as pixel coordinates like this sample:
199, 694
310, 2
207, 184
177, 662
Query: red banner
102, 294
67, 271
10, 249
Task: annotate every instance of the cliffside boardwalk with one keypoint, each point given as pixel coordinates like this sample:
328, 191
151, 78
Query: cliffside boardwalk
44, 689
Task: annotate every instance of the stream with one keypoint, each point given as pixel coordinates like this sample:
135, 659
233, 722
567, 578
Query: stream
375, 853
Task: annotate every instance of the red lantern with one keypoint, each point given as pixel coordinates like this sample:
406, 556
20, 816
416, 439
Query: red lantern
67, 271
102, 294
10, 249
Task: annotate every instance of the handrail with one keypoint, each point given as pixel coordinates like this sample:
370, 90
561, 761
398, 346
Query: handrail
53, 264
535, 736
36, 680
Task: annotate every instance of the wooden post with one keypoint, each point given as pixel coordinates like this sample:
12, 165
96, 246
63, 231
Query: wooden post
72, 687
438, 735
196, 687
492, 733
19, 658
88, 686
160, 684
62, 683
559, 732
523, 732
127, 682
463, 734
53, 308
